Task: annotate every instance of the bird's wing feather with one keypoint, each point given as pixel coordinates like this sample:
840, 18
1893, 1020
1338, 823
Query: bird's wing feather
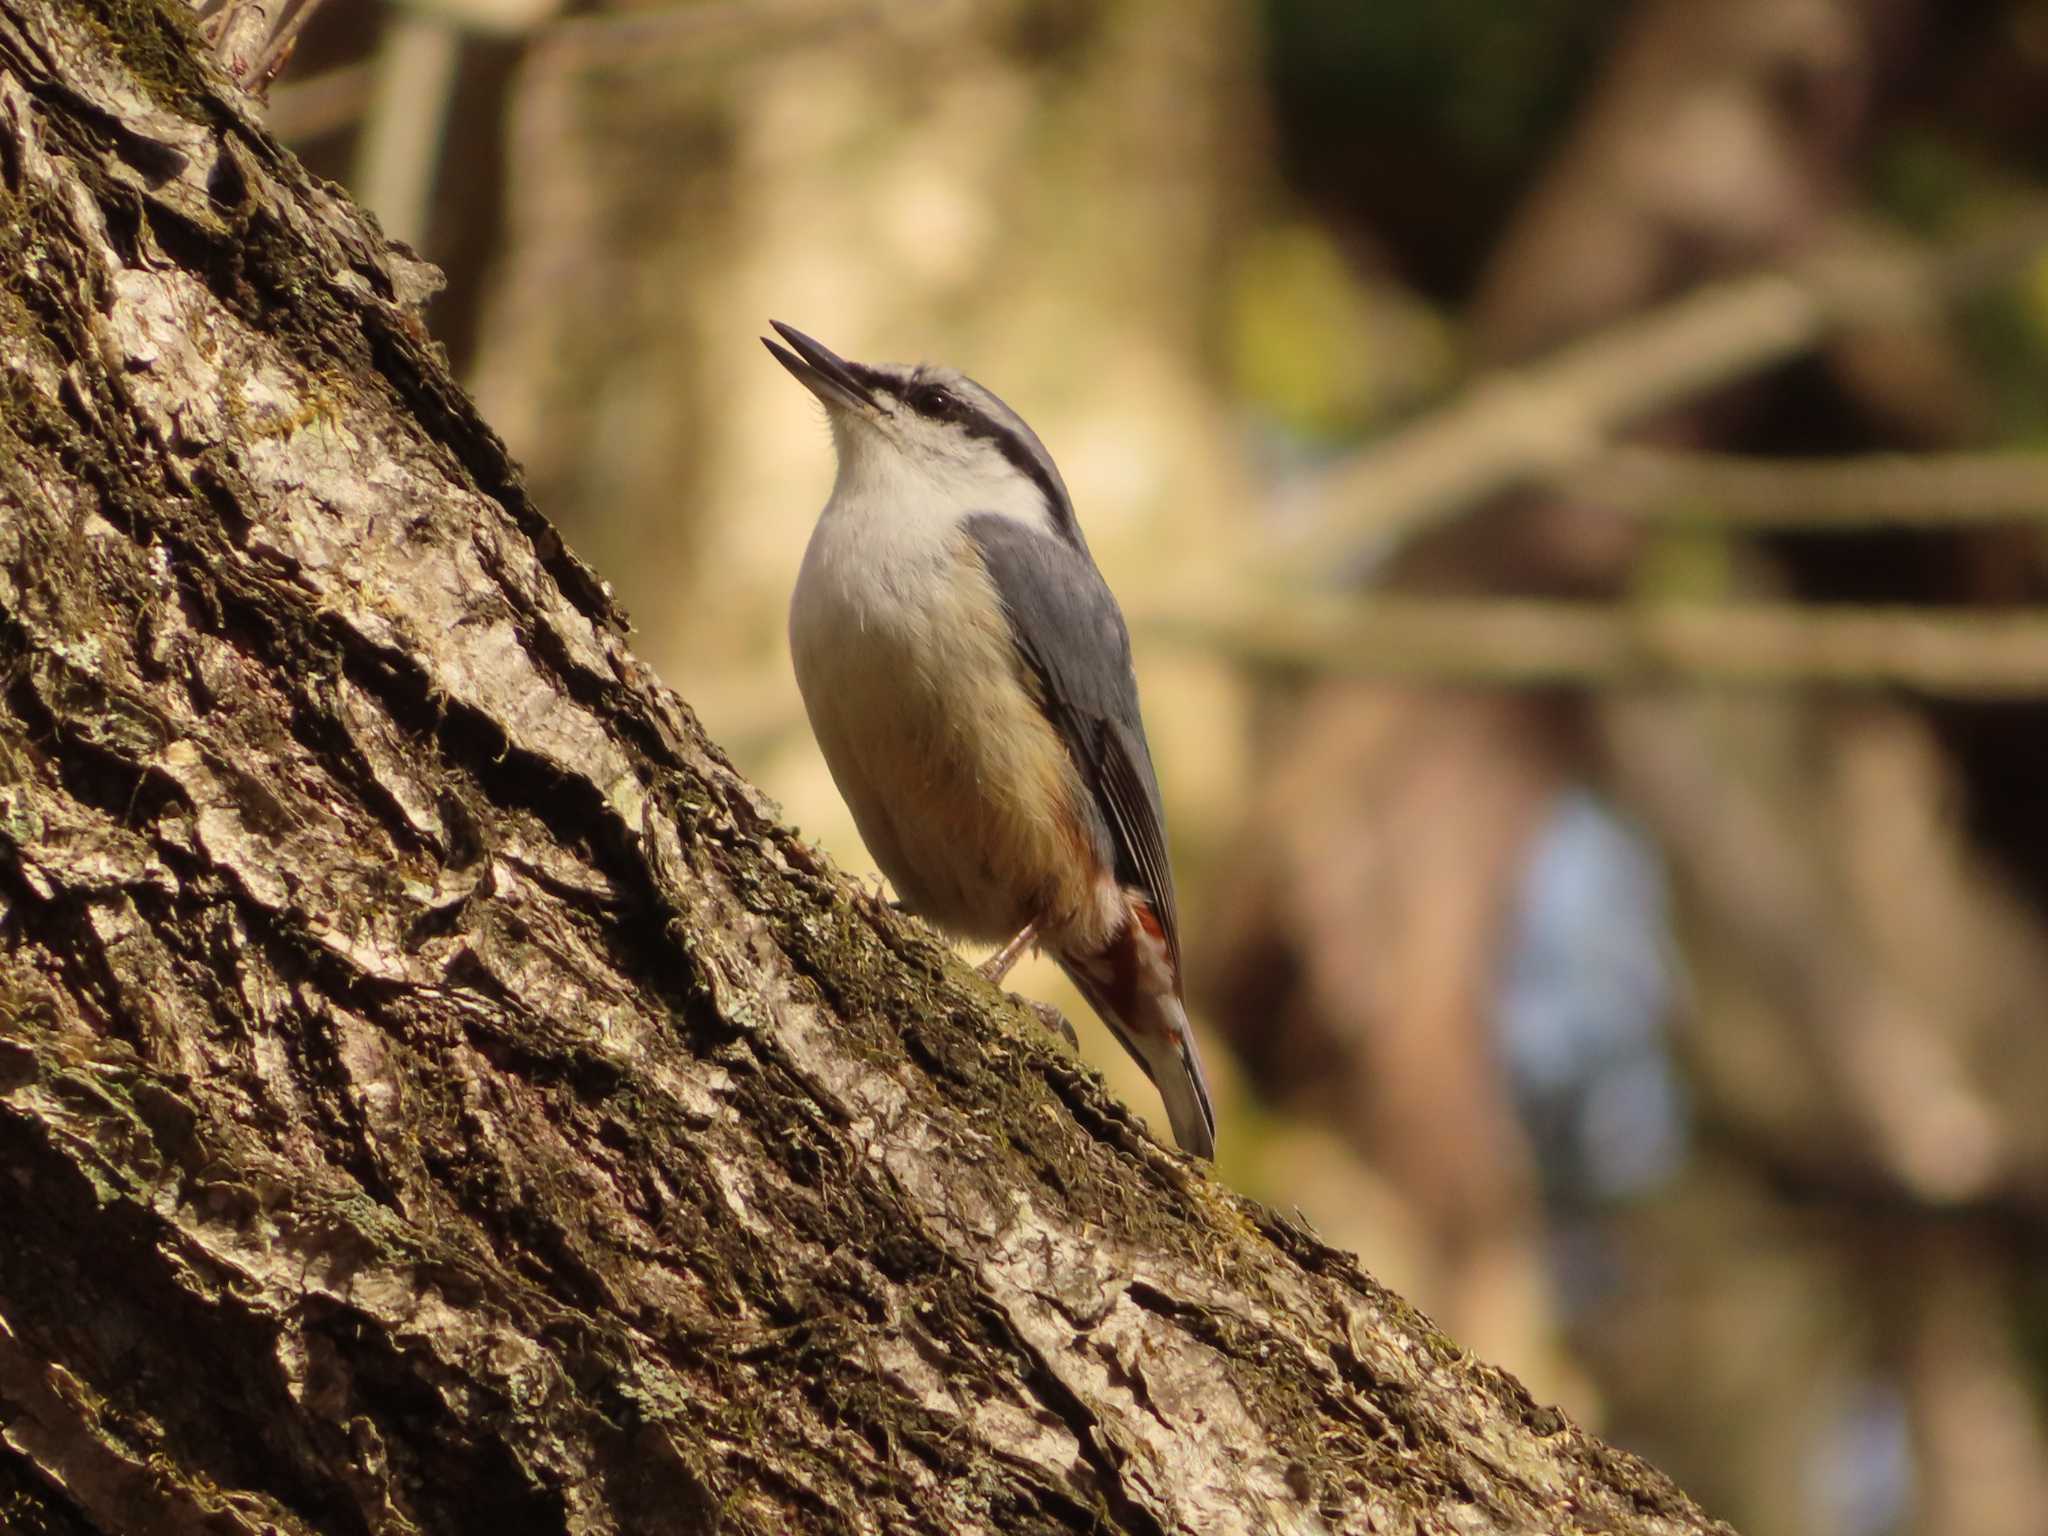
1071, 634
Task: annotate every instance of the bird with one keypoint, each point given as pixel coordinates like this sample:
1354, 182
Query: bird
968, 677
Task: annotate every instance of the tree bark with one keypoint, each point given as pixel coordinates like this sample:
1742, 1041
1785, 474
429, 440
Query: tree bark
436, 1094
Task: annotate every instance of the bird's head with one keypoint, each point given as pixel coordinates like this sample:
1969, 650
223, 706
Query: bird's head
926, 431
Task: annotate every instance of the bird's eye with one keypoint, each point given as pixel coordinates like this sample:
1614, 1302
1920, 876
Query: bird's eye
935, 400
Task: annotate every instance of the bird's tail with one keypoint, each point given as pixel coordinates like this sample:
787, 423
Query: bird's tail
1149, 1020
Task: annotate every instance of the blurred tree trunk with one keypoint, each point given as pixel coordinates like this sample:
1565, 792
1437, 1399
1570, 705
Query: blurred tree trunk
435, 1093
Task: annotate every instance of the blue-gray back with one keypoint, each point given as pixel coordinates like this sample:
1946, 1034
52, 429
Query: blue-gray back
1071, 634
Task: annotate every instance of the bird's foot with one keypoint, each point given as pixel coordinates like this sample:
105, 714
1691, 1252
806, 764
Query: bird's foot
998, 965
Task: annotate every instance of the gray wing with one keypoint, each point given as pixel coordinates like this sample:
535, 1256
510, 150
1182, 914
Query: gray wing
1071, 633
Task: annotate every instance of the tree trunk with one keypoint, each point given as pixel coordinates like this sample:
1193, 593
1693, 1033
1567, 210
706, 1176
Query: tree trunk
435, 1092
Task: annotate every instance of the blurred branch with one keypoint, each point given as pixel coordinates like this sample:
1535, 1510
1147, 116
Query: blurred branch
321, 104
1811, 1173
1895, 965
399, 153
253, 38
1541, 422
284, 40
493, 18
1528, 643
408, 80
628, 36
1733, 491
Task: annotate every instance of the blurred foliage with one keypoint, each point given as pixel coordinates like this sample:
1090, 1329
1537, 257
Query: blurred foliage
1935, 178
2006, 331
1695, 562
1420, 117
1320, 353
1922, 178
1485, 79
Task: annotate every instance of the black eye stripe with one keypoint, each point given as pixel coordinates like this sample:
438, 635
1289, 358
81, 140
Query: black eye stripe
936, 401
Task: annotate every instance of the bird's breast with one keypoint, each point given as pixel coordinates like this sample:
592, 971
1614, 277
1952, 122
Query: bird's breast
963, 792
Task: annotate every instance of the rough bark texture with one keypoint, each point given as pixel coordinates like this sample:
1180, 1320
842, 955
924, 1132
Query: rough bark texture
435, 1092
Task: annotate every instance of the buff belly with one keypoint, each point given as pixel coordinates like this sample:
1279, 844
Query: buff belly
964, 794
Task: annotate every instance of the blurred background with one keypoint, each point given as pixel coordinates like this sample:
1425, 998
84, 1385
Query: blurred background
1573, 472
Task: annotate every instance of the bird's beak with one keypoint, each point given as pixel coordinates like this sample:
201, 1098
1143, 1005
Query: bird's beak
819, 369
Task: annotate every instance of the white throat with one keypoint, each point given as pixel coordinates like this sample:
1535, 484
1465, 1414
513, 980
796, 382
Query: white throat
929, 483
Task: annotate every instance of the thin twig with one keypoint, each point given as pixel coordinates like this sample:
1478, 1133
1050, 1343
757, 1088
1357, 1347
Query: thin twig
283, 40
1534, 643
659, 32
319, 104
1872, 489
398, 156
1545, 420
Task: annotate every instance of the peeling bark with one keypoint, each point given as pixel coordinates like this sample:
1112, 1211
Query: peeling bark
435, 1092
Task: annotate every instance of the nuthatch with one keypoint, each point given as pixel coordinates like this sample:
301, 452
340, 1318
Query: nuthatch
968, 677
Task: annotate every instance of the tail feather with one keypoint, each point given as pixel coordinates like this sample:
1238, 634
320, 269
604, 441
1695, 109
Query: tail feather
1175, 1067
1155, 1031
